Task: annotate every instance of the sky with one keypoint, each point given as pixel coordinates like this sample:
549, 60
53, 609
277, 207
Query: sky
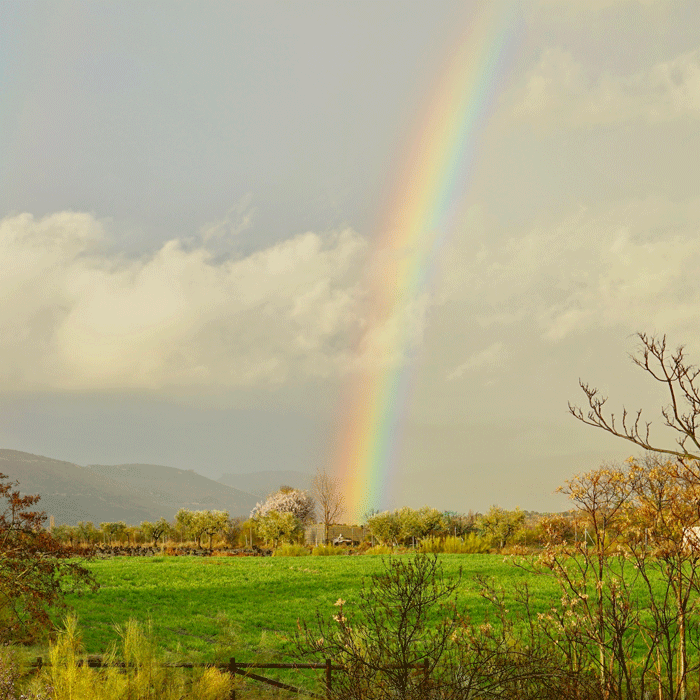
192, 195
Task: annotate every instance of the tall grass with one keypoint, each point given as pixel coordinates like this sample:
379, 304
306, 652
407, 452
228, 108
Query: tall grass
140, 677
472, 544
327, 550
291, 550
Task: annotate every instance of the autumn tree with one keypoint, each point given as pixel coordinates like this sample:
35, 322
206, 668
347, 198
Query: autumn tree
329, 498
36, 570
667, 492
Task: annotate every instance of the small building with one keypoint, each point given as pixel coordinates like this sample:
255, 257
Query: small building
315, 534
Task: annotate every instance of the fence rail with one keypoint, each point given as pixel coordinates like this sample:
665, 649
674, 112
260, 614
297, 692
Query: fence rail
241, 669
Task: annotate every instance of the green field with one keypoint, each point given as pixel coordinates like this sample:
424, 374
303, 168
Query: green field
262, 598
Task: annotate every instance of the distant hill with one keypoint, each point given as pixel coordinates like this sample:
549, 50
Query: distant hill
264, 483
179, 488
132, 493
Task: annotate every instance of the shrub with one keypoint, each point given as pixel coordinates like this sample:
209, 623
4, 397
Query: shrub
431, 545
471, 544
390, 633
327, 550
380, 549
291, 550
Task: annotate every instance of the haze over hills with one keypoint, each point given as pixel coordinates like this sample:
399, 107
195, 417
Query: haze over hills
263, 483
132, 493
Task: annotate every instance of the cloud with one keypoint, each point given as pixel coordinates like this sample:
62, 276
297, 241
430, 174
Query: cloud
558, 91
592, 5
76, 315
490, 359
631, 266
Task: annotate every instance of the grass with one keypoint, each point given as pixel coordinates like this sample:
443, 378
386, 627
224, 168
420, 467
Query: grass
253, 601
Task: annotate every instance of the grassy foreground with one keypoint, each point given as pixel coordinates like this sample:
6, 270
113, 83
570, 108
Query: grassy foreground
254, 603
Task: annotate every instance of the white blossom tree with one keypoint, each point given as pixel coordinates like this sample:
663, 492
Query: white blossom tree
287, 500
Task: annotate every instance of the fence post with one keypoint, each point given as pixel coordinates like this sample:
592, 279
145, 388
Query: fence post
232, 673
329, 682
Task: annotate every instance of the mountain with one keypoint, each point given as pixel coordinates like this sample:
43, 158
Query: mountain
178, 488
264, 483
70, 492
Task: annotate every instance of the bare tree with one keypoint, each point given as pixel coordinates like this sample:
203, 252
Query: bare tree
326, 490
681, 414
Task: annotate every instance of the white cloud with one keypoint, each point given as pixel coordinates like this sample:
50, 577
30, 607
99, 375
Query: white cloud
593, 5
632, 266
490, 359
558, 91
75, 316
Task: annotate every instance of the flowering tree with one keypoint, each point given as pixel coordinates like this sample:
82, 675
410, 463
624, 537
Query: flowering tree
281, 517
287, 500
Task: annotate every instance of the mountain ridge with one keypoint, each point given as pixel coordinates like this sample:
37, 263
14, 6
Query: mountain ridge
70, 492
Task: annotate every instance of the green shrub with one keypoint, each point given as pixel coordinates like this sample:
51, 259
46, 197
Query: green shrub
291, 550
327, 550
380, 549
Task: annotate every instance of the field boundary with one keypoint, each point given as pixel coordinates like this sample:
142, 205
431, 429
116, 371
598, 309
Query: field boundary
238, 668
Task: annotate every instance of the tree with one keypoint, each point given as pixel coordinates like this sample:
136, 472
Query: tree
326, 491
671, 490
385, 526
681, 415
200, 523
35, 569
501, 524
114, 531
154, 531
630, 585
87, 532
459, 524
287, 500
276, 527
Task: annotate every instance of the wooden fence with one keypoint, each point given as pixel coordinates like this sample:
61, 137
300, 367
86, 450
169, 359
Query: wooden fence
243, 669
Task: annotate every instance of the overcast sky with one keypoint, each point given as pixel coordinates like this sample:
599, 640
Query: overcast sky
189, 192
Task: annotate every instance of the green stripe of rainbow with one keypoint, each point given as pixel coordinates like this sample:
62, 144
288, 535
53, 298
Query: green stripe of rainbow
430, 187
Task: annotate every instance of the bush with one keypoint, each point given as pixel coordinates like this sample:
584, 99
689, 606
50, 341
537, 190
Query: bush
380, 549
472, 544
291, 550
389, 640
431, 545
327, 550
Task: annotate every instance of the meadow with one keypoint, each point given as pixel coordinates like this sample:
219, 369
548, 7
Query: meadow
210, 608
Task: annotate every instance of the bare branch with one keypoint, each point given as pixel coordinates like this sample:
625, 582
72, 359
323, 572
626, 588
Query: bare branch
681, 414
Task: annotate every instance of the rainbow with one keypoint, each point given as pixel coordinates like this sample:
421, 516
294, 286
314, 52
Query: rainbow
429, 189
